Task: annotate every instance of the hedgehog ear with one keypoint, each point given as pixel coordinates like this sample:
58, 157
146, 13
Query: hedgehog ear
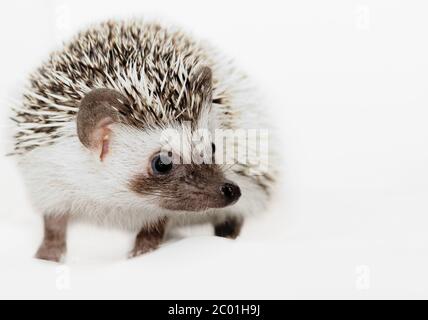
98, 110
202, 83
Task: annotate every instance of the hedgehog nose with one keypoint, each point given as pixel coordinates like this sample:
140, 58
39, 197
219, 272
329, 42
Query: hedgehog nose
231, 192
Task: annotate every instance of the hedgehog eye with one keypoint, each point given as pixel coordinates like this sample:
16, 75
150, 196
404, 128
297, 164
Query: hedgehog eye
161, 164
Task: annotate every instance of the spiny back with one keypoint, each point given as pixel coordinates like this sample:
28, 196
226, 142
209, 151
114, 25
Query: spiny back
147, 63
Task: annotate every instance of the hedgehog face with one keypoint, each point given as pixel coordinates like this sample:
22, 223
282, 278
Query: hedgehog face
185, 187
175, 177
164, 176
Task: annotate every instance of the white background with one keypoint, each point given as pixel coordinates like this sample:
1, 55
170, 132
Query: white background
347, 84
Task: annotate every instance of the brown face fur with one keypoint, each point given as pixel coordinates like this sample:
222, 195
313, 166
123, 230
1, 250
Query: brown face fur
188, 187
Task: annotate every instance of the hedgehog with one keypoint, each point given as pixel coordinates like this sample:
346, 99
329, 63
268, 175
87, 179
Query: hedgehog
120, 128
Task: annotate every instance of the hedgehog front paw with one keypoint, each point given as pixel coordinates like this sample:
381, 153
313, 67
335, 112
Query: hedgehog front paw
50, 252
149, 238
230, 228
136, 252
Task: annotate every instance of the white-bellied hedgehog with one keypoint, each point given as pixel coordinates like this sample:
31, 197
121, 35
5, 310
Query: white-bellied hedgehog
121, 127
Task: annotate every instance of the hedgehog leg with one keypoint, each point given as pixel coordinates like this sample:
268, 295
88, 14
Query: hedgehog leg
53, 246
149, 238
229, 228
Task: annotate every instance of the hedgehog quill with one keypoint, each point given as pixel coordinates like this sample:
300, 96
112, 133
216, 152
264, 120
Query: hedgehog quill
91, 139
